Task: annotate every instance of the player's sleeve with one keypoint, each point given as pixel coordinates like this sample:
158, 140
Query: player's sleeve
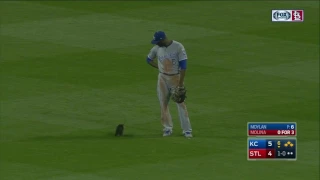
182, 57
152, 54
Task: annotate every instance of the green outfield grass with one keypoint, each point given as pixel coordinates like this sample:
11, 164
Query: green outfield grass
72, 71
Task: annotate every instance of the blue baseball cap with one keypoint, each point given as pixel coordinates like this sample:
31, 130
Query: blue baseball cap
158, 36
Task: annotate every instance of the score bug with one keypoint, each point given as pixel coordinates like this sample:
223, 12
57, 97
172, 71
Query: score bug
272, 149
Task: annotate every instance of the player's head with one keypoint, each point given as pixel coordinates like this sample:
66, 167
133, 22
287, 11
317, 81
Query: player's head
159, 38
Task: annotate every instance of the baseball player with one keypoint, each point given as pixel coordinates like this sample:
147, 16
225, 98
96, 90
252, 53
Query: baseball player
172, 65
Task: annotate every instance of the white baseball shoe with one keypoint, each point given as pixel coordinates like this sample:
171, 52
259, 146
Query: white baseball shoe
187, 134
167, 133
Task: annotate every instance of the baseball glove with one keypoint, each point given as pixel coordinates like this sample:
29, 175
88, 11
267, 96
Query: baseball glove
179, 94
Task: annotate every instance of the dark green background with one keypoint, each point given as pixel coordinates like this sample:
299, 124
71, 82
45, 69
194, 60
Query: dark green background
71, 71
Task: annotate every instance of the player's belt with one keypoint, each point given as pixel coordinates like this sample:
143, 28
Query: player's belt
169, 74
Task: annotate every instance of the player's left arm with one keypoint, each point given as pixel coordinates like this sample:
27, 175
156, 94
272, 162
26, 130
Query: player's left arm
182, 65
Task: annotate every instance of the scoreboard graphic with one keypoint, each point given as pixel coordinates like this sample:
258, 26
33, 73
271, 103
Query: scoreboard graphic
272, 141
277, 148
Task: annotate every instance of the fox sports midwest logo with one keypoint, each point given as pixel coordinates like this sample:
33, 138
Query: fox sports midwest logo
281, 15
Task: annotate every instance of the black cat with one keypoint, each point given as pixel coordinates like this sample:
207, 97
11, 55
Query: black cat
119, 130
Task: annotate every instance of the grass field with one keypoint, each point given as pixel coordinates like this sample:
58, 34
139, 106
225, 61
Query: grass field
72, 71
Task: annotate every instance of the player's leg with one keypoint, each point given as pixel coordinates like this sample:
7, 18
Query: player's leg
182, 109
184, 119
164, 96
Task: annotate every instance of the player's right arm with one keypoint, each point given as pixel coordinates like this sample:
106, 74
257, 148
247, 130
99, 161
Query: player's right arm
151, 57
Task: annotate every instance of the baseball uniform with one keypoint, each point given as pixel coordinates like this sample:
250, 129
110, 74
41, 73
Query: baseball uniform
171, 60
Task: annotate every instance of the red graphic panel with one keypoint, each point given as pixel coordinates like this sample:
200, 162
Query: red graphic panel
297, 15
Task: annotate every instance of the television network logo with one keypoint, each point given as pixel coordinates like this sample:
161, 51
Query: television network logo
287, 16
